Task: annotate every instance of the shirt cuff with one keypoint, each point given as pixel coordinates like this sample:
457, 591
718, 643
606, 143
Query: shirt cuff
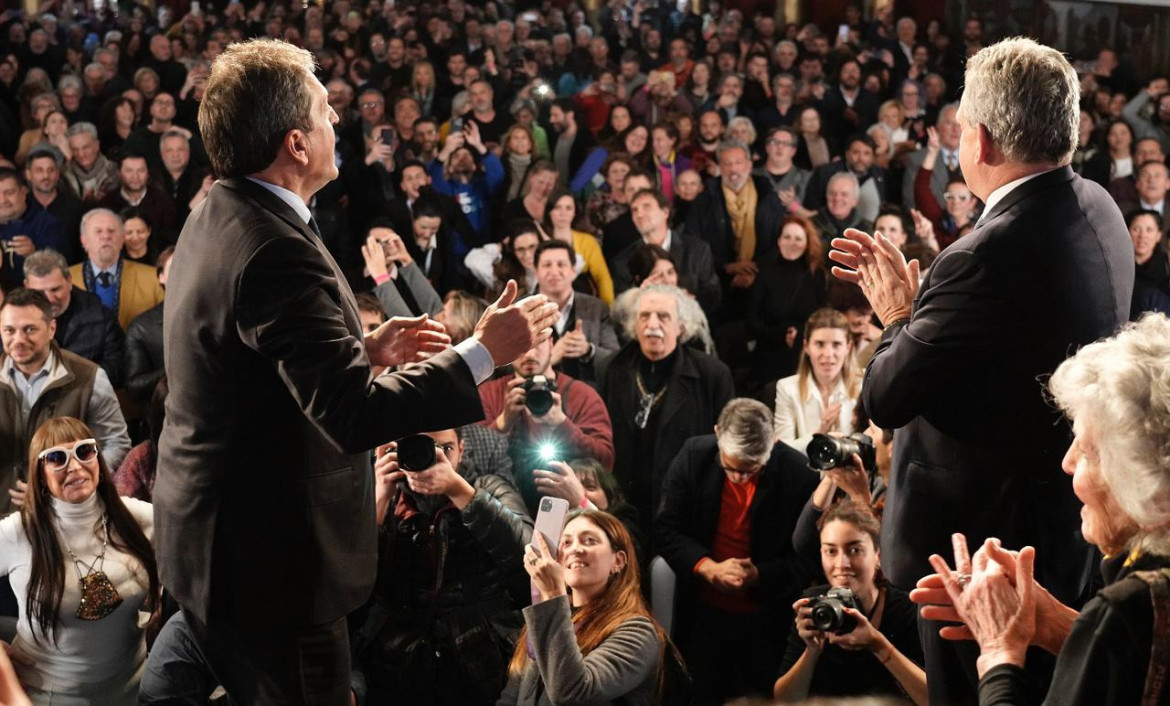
478, 358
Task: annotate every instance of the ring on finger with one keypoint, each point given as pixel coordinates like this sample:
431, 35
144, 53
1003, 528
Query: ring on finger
963, 580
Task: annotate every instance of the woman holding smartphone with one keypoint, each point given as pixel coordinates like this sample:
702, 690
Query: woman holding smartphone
590, 638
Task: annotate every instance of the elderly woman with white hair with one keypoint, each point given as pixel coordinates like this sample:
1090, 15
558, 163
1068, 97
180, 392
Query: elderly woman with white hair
1117, 393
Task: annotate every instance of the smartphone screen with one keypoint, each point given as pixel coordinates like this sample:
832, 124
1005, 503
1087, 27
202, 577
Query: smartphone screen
843, 32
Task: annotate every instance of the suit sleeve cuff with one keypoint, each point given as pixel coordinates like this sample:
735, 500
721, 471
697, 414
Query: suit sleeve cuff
478, 359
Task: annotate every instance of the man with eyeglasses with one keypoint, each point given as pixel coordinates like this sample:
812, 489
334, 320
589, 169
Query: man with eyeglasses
440, 626
787, 179
39, 380
730, 503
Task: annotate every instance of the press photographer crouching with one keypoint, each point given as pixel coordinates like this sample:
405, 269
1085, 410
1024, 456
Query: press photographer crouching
856, 636
548, 416
443, 620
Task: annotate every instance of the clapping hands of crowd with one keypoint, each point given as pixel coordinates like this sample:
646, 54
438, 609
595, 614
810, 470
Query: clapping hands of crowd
730, 575
571, 345
880, 269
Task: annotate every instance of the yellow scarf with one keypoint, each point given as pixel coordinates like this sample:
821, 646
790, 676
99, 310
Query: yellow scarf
741, 208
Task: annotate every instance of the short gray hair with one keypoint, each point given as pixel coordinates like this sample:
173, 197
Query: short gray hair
740, 120
1120, 386
845, 176
745, 430
173, 133
1028, 97
68, 81
43, 263
82, 128
92, 67
97, 212
730, 144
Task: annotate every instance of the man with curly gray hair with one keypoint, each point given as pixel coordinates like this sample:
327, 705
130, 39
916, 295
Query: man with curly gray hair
1048, 268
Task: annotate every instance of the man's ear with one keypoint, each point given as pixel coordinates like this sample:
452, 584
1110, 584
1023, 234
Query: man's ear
987, 151
296, 145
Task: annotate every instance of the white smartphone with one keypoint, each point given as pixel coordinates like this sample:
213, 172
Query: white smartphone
550, 521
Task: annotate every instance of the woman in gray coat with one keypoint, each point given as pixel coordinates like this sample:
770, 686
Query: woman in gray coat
590, 639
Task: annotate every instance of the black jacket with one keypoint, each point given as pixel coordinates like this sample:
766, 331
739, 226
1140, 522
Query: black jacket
684, 528
91, 331
708, 221
264, 485
818, 184
144, 354
696, 272
697, 388
1047, 269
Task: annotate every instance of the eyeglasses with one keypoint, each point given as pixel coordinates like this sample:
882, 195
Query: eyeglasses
741, 473
57, 458
371, 104
781, 143
957, 197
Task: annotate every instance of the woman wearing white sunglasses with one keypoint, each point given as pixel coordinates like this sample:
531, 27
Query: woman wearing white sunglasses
82, 568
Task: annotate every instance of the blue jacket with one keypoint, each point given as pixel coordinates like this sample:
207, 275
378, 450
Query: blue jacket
46, 232
473, 197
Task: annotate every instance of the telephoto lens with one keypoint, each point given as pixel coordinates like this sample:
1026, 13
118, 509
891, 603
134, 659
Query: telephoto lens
538, 395
828, 452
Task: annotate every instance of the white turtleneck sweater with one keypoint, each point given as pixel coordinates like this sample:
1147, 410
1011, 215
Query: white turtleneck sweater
99, 660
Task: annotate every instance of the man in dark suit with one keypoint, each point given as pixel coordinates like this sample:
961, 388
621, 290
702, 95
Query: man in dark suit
737, 483
847, 107
584, 337
660, 392
692, 257
978, 450
264, 511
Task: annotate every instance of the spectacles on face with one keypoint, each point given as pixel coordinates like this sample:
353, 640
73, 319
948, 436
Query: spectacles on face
745, 475
957, 197
781, 143
371, 104
56, 459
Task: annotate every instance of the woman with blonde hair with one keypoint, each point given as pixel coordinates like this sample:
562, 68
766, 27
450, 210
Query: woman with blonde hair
820, 397
590, 638
519, 151
422, 87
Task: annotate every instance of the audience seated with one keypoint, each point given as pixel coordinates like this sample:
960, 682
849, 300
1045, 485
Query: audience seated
126, 288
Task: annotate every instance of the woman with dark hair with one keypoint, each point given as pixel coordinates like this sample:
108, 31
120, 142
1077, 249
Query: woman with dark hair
664, 140
619, 119
115, 123
590, 638
607, 203
1115, 159
138, 246
560, 213
539, 181
82, 568
634, 141
790, 287
494, 264
813, 149
882, 653
1151, 289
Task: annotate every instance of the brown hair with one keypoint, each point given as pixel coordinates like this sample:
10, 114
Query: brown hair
619, 601
815, 251
466, 309
826, 318
257, 92
46, 581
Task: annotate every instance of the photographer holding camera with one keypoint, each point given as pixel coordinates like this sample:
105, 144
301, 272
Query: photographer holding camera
442, 621
548, 416
858, 636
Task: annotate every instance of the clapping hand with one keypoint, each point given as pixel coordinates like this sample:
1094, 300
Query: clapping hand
509, 328
878, 266
404, 340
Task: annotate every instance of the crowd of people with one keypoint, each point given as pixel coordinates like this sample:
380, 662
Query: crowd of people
677, 179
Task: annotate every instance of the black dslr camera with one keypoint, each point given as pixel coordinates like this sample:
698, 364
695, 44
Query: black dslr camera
538, 394
828, 452
828, 611
416, 452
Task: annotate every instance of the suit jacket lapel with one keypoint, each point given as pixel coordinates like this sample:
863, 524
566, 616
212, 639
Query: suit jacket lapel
1028, 188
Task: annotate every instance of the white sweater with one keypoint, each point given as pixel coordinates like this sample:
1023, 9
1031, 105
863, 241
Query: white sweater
97, 659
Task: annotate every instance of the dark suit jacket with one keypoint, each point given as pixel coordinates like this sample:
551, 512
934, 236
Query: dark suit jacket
833, 107
978, 450
264, 504
697, 389
684, 528
707, 220
598, 328
696, 271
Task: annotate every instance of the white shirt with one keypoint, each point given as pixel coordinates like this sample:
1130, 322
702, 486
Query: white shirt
474, 353
999, 194
796, 420
1160, 207
565, 311
665, 243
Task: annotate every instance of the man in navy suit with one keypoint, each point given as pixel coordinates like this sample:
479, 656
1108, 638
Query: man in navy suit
1048, 268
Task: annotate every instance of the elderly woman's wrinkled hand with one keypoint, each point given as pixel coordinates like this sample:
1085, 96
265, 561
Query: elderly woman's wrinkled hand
1000, 616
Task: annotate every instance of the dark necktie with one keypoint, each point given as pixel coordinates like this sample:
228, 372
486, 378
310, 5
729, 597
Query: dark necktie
103, 279
313, 226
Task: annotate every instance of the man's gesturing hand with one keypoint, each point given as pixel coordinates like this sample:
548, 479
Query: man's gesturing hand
404, 340
509, 328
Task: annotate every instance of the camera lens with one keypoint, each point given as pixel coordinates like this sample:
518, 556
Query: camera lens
416, 453
539, 401
546, 505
